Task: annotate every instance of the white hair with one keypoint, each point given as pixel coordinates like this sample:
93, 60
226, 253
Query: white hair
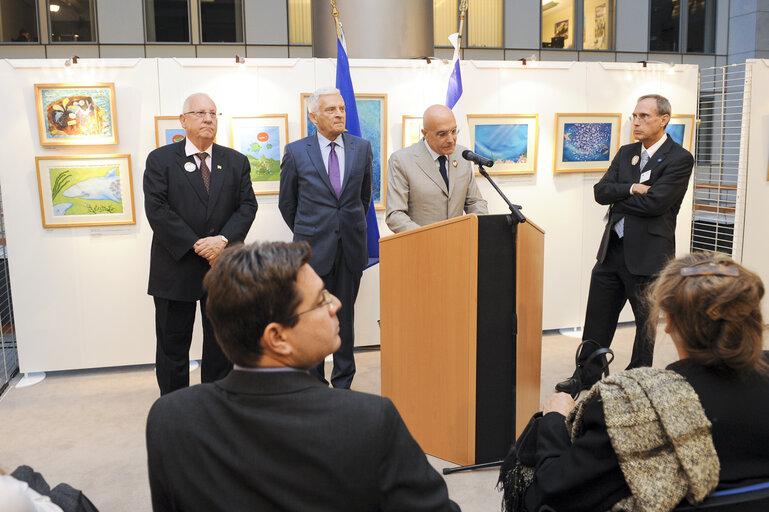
313, 104
186, 104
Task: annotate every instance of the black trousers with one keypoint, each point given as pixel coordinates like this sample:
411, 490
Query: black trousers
344, 284
611, 285
174, 321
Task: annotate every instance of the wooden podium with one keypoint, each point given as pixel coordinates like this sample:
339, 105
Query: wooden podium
461, 327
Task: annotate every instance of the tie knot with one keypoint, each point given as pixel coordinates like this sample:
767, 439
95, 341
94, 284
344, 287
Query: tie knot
202, 156
442, 159
333, 146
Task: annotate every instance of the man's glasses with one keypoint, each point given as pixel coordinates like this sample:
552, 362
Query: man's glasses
327, 300
445, 133
200, 114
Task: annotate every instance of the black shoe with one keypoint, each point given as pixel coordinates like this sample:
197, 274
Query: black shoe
573, 385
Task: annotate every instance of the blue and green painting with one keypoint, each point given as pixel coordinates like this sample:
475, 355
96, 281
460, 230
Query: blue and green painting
370, 117
261, 145
173, 135
503, 143
89, 190
676, 132
586, 142
77, 112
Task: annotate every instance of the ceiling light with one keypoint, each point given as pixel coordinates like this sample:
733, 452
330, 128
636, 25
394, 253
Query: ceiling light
54, 7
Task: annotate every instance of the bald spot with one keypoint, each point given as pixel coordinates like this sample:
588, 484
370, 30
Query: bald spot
437, 115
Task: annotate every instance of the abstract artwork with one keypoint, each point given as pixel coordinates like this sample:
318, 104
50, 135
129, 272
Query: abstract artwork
69, 114
372, 115
510, 140
585, 142
168, 130
85, 190
261, 139
412, 130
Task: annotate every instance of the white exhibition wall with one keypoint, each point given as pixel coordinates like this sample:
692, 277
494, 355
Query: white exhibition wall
79, 293
755, 243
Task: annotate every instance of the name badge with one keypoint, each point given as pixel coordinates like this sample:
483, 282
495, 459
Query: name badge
645, 176
190, 167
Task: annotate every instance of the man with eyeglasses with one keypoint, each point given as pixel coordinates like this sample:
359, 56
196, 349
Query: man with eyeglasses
644, 187
325, 189
198, 198
430, 181
269, 436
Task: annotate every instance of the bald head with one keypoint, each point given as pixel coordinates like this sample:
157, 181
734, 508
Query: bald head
440, 129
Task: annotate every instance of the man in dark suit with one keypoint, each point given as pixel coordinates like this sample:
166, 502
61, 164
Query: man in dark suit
197, 198
644, 187
269, 436
325, 188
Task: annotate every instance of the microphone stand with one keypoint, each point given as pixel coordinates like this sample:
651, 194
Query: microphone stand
515, 209
516, 218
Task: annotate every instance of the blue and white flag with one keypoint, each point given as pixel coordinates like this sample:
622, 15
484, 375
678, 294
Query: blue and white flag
344, 84
454, 93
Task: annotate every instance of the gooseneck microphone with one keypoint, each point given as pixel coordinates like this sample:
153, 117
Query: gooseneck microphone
476, 158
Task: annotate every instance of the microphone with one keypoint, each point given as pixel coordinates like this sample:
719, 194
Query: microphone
476, 158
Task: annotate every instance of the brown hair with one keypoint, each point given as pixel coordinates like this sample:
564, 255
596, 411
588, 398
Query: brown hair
715, 317
248, 287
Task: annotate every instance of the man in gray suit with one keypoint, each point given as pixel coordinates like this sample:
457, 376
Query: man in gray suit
325, 189
430, 181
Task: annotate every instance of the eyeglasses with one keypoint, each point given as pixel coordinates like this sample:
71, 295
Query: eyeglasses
200, 114
710, 269
328, 300
443, 134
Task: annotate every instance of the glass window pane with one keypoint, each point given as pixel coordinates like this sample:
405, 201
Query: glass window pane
221, 21
598, 26
299, 22
167, 21
484, 24
664, 25
18, 21
72, 21
701, 26
445, 21
557, 24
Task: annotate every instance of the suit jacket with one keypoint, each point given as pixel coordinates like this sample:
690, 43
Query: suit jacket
280, 441
417, 195
650, 219
584, 474
180, 212
313, 212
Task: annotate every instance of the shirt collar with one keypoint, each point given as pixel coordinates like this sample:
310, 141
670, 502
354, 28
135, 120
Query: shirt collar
191, 149
654, 147
274, 369
433, 154
323, 141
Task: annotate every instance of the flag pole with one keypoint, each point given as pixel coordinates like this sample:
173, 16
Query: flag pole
462, 12
335, 14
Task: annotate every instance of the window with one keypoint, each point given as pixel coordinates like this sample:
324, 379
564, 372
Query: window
558, 24
484, 24
167, 21
445, 21
664, 25
701, 27
18, 21
72, 21
299, 22
221, 21
598, 25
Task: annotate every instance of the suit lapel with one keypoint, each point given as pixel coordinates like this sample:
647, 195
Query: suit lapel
659, 156
349, 149
218, 165
313, 151
425, 162
452, 162
193, 177
635, 168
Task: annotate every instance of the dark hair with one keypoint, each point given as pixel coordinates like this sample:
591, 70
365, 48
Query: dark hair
715, 317
248, 287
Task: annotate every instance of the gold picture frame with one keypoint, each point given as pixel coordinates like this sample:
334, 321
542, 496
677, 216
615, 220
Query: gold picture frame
412, 130
262, 139
75, 114
585, 142
509, 140
85, 190
168, 130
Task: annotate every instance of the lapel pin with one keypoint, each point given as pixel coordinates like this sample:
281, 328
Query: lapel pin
454, 163
634, 160
219, 167
189, 167
659, 160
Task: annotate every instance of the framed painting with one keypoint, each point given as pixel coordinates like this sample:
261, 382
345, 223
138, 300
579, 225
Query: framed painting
510, 140
412, 130
680, 128
372, 115
585, 142
168, 130
261, 139
70, 114
93, 190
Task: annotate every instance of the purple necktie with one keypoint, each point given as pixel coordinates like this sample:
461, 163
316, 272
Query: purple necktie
333, 170
205, 172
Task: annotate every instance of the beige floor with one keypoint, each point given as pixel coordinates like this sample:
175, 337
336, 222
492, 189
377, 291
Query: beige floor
86, 428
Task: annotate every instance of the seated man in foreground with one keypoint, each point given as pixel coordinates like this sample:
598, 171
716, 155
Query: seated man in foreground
269, 436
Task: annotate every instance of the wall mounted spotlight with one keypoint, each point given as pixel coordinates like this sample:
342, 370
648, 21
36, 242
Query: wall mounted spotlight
239, 59
72, 60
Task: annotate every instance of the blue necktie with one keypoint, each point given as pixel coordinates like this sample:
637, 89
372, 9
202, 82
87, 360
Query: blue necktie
444, 174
